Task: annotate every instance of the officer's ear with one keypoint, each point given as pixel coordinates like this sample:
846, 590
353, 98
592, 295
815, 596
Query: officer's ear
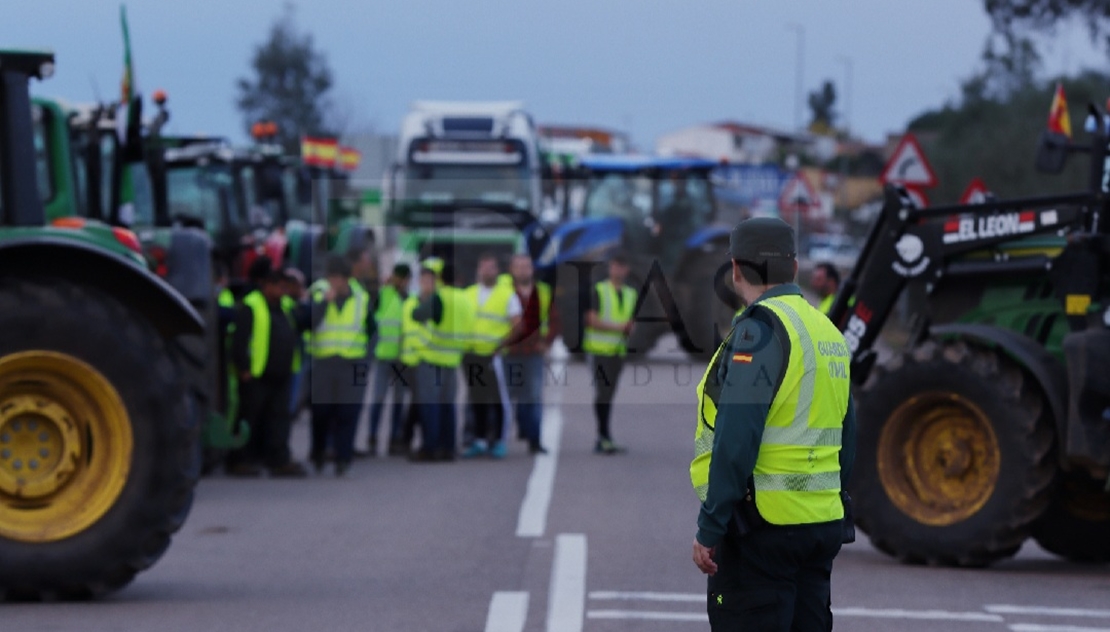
736, 276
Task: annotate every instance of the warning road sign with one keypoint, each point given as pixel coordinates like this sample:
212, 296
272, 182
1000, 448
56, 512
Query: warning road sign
798, 196
917, 196
975, 193
907, 165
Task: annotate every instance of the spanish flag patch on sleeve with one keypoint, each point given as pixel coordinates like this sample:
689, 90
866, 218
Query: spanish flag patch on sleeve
746, 358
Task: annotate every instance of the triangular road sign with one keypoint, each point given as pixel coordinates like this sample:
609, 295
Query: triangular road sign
907, 165
975, 193
918, 197
797, 195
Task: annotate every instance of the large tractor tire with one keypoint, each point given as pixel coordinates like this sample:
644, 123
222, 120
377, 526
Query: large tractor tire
955, 456
1076, 525
702, 282
98, 442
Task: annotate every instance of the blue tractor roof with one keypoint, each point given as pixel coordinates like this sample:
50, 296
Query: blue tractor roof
632, 163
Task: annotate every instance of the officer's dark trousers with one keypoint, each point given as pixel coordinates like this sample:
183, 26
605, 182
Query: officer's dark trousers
337, 389
775, 579
264, 404
606, 375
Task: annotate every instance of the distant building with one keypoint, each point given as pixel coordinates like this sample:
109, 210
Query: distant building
574, 139
737, 143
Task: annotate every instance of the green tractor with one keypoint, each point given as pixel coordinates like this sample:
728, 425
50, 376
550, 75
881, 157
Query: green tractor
98, 426
993, 425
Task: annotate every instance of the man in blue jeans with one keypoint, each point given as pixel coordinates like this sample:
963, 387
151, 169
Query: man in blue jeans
391, 375
524, 363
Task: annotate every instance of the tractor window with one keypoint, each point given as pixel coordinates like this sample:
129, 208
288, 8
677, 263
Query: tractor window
107, 158
42, 155
142, 196
620, 195
684, 202
202, 193
79, 145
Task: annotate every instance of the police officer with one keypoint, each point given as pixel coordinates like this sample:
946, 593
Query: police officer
774, 447
338, 346
608, 324
825, 280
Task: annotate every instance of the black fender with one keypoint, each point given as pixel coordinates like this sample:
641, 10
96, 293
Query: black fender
1049, 372
87, 264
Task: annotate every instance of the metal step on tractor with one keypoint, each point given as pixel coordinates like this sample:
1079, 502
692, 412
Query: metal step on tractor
98, 424
993, 425
662, 213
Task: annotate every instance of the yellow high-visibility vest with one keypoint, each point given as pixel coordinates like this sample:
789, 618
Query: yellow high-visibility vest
610, 343
260, 331
388, 318
797, 471
491, 322
342, 333
449, 338
414, 335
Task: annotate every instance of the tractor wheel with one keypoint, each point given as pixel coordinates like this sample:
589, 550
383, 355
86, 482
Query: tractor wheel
708, 318
954, 459
1076, 525
98, 442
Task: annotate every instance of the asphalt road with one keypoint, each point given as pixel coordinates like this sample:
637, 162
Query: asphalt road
572, 541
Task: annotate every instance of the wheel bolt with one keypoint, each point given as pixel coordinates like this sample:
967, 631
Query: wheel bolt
43, 452
5, 454
32, 424
17, 464
16, 426
44, 437
5, 438
33, 464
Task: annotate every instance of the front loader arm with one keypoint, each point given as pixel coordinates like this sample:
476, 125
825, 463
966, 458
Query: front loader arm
907, 245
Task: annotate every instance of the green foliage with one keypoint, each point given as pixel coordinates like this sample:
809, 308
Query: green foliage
996, 138
289, 85
1042, 16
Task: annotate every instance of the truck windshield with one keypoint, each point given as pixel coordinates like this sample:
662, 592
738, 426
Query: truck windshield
463, 184
622, 195
204, 193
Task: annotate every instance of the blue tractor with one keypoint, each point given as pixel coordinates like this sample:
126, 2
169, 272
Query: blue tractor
662, 213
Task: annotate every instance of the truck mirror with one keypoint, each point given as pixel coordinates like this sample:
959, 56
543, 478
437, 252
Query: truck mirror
1052, 153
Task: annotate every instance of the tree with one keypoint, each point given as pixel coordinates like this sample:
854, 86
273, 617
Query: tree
821, 104
1010, 17
290, 85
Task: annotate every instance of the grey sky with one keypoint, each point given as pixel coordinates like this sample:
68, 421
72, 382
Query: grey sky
647, 65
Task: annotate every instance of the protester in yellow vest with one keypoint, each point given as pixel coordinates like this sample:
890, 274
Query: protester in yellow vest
265, 355
337, 344
825, 281
446, 317
496, 314
390, 373
609, 322
774, 446
524, 362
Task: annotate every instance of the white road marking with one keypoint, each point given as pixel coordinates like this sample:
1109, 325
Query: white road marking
692, 617
567, 601
1047, 612
532, 520
507, 612
647, 596
1039, 628
925, 615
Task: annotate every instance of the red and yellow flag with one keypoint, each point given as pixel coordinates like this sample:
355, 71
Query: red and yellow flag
1059, 121
319, 152
349, 158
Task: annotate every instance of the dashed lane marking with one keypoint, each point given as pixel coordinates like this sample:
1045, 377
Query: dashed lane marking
566, 603
507, 612
532, 520
1047, 612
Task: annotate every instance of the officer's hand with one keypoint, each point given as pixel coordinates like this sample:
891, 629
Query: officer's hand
703, 558
245, 376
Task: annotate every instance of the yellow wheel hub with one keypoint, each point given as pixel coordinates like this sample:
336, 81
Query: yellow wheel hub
938, 458
65, 446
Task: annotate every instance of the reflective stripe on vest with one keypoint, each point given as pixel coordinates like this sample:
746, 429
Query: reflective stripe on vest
414, 335
545, 307
491, 322
610, 343
388, 319
447, 339
797, 471
342, 333
260, 332
225, 298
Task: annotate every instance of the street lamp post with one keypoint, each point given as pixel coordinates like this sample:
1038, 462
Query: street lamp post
847, 62
799, 85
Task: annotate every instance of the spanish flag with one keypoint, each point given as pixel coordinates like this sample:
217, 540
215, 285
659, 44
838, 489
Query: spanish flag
349, 158
319, 152
1058, 120
745, 358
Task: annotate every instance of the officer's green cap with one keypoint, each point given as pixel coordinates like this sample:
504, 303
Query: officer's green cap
762, 240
